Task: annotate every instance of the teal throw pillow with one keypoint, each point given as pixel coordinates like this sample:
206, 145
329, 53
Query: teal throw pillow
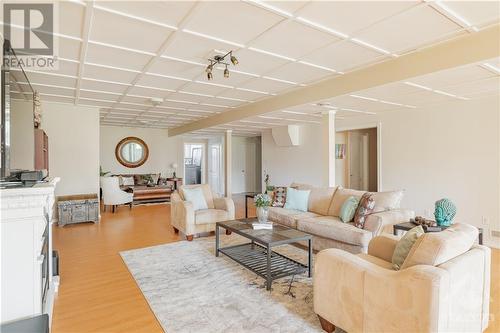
297, 199
196, 197
348, 209
404, 246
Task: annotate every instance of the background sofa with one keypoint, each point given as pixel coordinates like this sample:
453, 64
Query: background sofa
443, 285
323, 222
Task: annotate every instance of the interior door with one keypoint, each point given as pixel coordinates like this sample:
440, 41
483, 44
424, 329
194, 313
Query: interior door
239, 167
358, 161
250, 166
214, 170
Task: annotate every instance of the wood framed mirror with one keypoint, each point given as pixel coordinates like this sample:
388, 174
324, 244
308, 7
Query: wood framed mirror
132, 152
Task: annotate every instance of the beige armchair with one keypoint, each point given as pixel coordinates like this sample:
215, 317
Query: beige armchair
443, 286
191, 222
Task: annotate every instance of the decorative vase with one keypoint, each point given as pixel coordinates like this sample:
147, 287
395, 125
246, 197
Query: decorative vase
262, 213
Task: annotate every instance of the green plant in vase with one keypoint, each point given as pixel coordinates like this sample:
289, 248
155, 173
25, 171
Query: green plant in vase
262, 202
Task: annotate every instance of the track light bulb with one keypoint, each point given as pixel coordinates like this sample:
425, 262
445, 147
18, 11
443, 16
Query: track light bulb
210, 76
209, 69
234, 60
226, 73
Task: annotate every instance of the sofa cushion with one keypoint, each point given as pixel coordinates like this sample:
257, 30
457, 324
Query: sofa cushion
331, 227
374, 260
435, 248
288, 217
339, 197
207, 216
387, 200
297, 199
404, 246
320, 199
196, 197
348, 209
365, 208
207, 192
279, 196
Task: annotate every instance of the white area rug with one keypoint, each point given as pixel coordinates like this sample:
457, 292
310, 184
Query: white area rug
191, 290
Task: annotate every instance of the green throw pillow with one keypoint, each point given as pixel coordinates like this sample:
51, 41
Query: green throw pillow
348, 209
404, 246
297, 199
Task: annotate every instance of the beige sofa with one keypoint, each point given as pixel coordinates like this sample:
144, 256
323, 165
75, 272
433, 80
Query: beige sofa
191, 222
443, 286
323, 222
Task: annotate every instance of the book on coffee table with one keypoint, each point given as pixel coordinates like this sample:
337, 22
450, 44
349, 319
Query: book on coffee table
260, 226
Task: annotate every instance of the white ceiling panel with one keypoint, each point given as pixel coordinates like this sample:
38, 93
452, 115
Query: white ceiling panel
476, 12
288, 6
91, 102
242, 94
411, 29
137, 99
359, 104
343, 55
175, 102
297, 72
55, 80
293, 39
132, 37
66, 68
475, 87
194, 48
57, 99
71, 18
188, 96
231, 20
350, 16
423, 97
206, 89
388, 91
164, 12
102, 86
129, 106
448, 77
98, 95
110, 56
225, 102
69, 48
257, 63
108, 74
234, 79
160, 82
269, 86
141, 91
175, 68
54, 91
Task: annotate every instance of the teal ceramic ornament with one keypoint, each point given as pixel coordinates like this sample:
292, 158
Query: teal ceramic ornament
444, 212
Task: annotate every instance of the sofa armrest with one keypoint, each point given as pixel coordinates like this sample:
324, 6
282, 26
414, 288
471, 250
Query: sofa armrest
348, 290
383, 246
226, 204
382, 222
182, 214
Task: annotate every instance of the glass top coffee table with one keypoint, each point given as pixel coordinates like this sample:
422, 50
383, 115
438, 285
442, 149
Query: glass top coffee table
258, 256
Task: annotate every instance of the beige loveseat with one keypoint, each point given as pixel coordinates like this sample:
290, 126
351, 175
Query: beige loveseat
191, 222
323, 222
443, 285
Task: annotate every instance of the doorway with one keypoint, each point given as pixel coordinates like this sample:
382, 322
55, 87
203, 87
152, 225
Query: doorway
194, 163
215, 168
358, 167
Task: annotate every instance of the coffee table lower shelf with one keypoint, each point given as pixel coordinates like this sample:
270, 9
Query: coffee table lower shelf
255, 258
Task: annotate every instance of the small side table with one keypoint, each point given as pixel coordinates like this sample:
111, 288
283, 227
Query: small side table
248, 195
176, 182
405, 226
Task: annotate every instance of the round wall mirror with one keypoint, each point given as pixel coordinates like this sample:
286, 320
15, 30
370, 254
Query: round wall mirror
132, 152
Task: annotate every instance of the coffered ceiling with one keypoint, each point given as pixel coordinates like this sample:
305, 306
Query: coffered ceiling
118, 55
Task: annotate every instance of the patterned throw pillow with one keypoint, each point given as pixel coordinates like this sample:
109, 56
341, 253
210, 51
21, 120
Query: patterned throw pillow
279, 196
365, 207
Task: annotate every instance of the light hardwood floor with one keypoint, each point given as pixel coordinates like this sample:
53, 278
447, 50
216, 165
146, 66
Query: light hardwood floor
98, 294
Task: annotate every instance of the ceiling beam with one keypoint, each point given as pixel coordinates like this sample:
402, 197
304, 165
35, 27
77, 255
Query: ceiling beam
459, 51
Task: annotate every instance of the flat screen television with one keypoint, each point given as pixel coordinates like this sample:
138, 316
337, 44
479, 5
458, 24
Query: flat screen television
14, 83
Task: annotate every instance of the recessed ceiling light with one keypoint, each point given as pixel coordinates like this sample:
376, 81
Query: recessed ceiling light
121, 48
271, 54
358, 41
317, 66
279, 80
490, 66
135, 17
270, 7
322, 27
455, 15
213, 38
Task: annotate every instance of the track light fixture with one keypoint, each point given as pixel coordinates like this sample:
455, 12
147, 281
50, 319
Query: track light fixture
220, 59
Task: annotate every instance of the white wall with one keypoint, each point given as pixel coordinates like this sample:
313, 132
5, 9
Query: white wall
163, 151
449, 150
301, 163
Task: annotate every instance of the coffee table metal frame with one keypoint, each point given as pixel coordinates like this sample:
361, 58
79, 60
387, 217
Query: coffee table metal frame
258, 256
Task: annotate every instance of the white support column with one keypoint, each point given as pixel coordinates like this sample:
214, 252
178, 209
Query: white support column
328, 145
227, 163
